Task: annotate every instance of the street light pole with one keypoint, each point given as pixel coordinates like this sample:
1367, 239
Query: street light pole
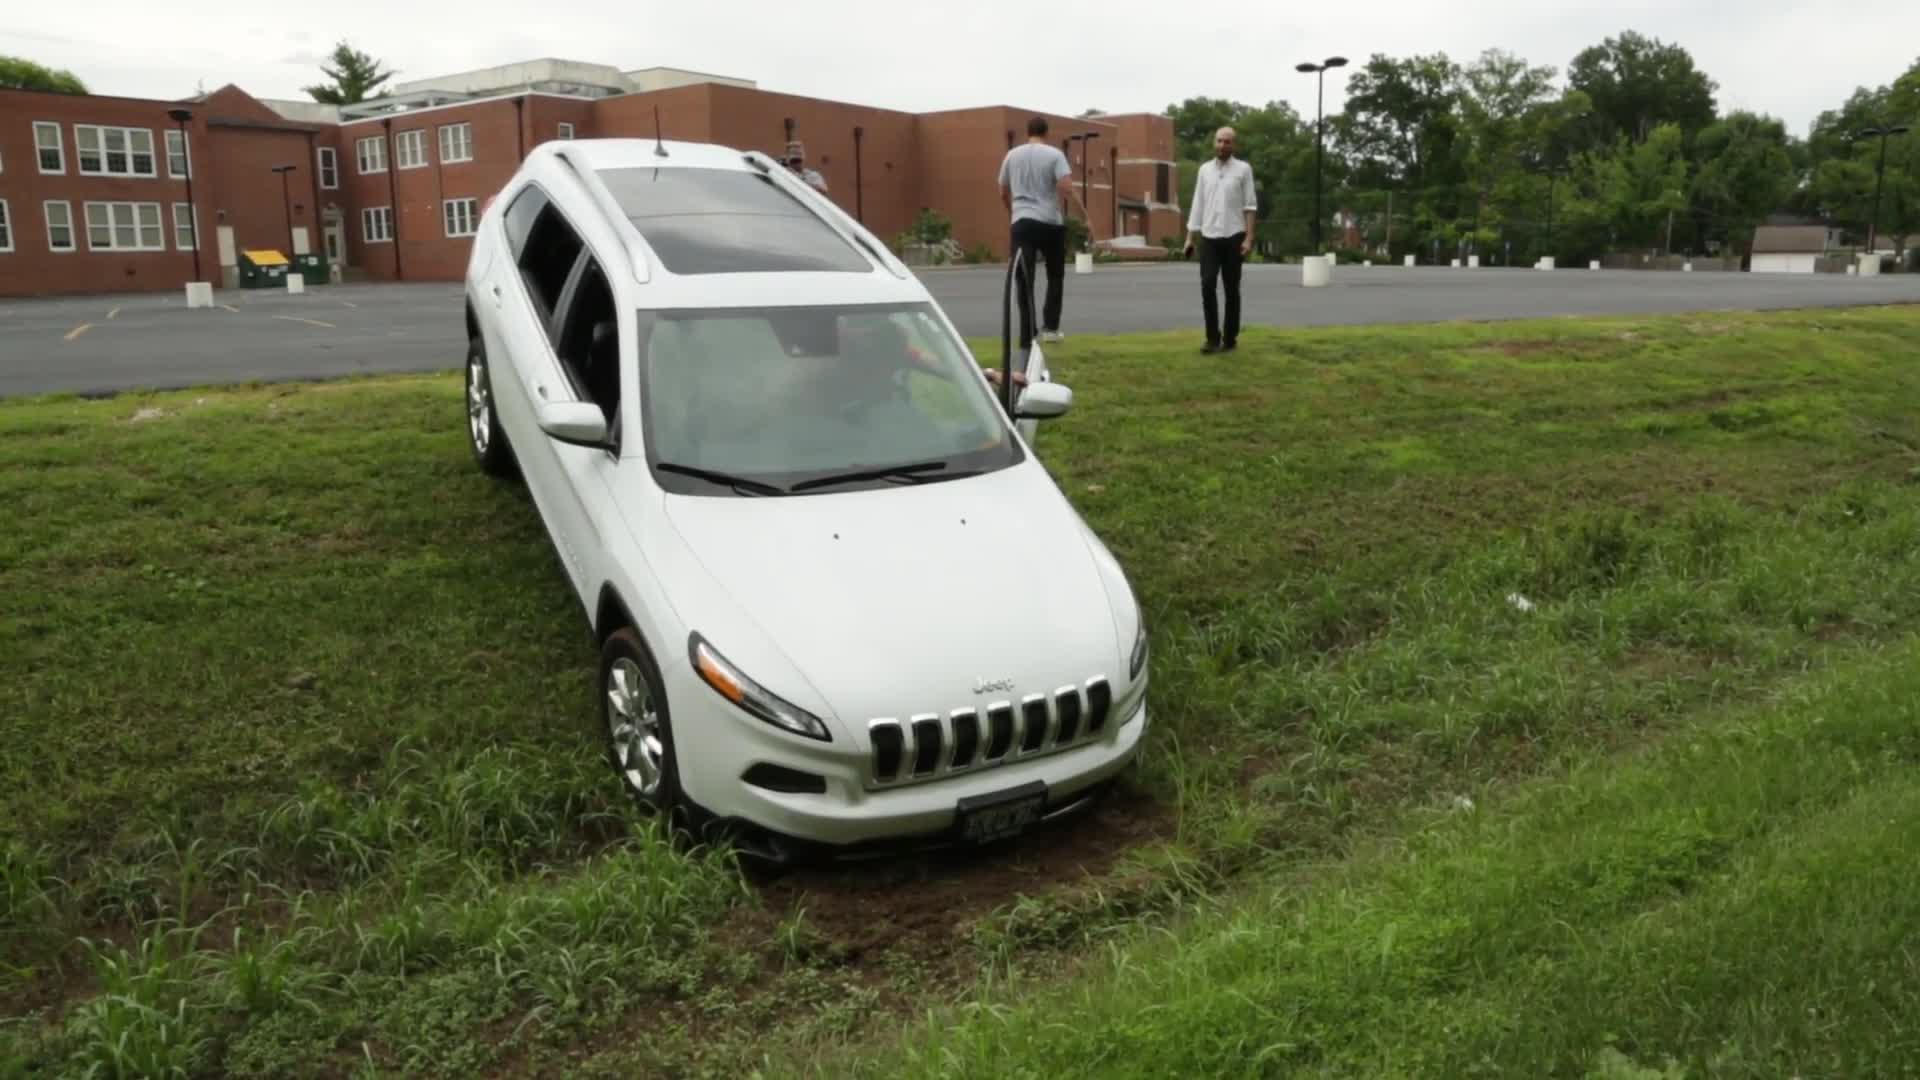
1086, 179
1879, 176
858, 203
180, 117
1319, 71
287, 199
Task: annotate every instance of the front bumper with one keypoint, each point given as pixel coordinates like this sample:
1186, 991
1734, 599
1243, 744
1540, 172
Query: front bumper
717, 744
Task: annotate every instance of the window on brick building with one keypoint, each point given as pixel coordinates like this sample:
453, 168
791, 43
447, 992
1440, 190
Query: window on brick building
114, 151
59, 215
456, 142
178, 164
566, 130
460, 216
53, 153
1163, 183
6, 228
376, 224
186, 227
410, 149
372, 154
329, 169
124, 226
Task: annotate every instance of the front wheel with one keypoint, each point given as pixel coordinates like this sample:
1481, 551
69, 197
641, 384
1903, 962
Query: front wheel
638, 730
484, 434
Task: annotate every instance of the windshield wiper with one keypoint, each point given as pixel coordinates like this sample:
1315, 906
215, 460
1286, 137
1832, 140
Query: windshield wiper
741, 484
915, 473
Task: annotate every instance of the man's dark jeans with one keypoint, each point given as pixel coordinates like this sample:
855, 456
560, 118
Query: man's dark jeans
1040, 241
1220, 259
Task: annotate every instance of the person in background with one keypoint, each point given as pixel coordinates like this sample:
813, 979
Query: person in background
1221, 223
1034, 178
797, 161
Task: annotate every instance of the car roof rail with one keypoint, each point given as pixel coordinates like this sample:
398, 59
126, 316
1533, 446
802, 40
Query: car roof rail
829, 211
639, 253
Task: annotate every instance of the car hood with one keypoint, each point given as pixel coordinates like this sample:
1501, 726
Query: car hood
914, 598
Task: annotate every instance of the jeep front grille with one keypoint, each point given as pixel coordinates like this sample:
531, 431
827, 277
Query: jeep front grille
930, 745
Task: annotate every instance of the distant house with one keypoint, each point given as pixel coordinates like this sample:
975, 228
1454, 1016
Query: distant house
1788, 249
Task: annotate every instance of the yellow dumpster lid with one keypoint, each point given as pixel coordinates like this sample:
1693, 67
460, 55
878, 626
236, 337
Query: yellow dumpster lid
266, 257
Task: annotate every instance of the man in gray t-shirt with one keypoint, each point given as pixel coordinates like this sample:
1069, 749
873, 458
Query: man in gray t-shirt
1034, 178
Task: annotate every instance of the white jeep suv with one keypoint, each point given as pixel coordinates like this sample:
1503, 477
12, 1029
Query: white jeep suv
840, 603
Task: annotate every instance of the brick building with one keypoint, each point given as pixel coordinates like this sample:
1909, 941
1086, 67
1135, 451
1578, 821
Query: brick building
94, 190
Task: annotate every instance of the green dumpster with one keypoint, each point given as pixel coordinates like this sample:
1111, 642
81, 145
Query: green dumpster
262, 269
311, 267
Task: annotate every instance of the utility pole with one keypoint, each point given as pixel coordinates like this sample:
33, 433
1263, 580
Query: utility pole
1879, 176
1319, 71
1389, 224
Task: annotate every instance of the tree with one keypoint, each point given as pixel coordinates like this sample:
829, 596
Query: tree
1399, 126
1196, 119
355, 76
19, 73
1501, 100
1746, 172
1638, 83
1642, 185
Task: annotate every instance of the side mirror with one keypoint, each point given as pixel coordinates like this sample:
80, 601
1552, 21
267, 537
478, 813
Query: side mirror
580, 423
1042, 401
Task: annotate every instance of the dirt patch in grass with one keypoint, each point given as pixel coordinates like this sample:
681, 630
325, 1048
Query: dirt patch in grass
925, 904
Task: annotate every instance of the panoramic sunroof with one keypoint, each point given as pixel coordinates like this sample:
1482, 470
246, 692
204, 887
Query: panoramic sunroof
726, 221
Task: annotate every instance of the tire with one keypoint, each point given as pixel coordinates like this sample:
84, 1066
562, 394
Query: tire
636, 729
485, 437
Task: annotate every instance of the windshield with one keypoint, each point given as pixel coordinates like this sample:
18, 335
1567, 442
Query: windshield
757, 401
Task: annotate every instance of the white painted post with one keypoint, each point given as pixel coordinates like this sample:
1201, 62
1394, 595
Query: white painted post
1453, 264
1409, 262
1594, 265
295, 282
1686, 268
199, 294
1869, 264
1473, 262
1315, 273
1083, 263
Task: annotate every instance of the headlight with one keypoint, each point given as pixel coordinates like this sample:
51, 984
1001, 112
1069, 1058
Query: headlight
1139, 661
729, 683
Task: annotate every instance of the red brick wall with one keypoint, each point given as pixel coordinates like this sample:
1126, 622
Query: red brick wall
754, 120
420, 249
31, 269
246, 193
960, 155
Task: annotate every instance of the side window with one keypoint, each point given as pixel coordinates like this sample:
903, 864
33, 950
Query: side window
589, 340
547, 259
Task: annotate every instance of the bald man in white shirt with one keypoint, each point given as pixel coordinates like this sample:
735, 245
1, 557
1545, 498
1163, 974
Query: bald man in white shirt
1221, 224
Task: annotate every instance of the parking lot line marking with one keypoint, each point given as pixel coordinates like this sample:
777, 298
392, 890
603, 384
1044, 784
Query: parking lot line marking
350, 303
231, 308
296, 318
78, 330
112, 313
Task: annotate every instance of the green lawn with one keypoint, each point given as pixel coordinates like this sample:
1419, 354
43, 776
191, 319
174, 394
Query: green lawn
1529, 697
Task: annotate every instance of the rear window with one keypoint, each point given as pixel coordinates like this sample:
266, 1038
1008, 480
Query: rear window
726, 221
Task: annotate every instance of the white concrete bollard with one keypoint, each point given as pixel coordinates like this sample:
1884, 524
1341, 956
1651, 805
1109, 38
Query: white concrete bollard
1409, 262
1546, 262
1594, 265
199, 294
296, 283
1083, 263
1853, 271
1686, 268
1366, 262
1315, 273
1332, 259
1473, 262
1453, 264
1869, 265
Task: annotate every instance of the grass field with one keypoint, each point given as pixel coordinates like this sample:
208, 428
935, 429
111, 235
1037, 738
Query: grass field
1529, 698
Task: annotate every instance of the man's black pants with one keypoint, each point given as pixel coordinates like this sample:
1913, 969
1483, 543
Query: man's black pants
1040, 241
1220, 260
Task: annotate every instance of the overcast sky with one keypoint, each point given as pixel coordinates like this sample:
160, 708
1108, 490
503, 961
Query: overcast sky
1789, 58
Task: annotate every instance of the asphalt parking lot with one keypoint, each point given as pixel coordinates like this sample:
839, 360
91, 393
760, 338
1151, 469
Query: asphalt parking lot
106, 344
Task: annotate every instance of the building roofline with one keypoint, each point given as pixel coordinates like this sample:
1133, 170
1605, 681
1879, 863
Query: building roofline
263, 125
478, 101
196, 100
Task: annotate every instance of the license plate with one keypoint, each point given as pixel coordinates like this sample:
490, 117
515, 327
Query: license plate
983, 819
